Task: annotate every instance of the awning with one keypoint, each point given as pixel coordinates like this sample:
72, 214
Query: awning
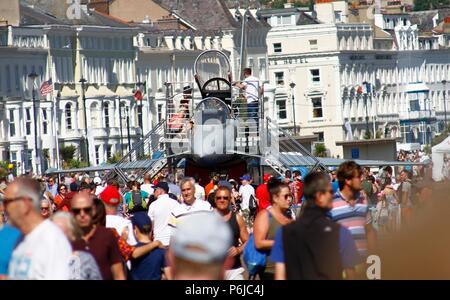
417, 87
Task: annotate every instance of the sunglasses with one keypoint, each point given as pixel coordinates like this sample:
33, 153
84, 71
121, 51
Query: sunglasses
77, 211
222, 198
7, 201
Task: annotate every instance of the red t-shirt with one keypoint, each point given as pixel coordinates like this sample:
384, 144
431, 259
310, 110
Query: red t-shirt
262, 194
104, 248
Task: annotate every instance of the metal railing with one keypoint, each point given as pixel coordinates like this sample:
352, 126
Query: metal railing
148, 153
281, 150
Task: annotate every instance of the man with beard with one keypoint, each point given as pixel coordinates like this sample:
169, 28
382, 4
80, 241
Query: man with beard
314, 247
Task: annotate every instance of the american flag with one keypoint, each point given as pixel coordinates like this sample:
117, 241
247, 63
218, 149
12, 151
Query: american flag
46, 87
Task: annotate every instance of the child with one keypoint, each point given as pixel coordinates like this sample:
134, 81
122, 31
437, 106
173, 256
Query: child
150, 266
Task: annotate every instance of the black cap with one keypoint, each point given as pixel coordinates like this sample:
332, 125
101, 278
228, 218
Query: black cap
163, 185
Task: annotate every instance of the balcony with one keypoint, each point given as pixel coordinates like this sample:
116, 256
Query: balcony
114, 132
417, 115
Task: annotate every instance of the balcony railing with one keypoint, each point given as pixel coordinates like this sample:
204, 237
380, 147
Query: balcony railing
418, 114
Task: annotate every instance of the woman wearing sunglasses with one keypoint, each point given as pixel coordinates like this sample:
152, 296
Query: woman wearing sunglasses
238, 228
269, 220
60, 197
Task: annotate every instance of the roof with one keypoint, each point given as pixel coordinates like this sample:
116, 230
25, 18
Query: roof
380, 33
367, 142
53, 12
215, 14
279, 11
334, 162
305, 19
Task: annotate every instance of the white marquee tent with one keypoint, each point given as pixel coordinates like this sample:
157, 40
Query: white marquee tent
439, 152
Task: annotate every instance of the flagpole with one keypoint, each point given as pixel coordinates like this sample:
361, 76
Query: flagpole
55, 128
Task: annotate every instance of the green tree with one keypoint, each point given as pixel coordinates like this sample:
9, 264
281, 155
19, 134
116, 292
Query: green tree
115, 158
420, 5
320, 150
67, 153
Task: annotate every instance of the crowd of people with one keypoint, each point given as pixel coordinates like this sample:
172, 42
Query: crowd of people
79, 227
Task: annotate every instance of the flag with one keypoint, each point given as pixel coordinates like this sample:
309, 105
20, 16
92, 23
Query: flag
138, 95
359, 90
46, 87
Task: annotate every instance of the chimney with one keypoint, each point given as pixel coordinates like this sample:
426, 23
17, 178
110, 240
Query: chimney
10, 13
325, 11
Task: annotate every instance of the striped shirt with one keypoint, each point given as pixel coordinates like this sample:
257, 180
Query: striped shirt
353, 217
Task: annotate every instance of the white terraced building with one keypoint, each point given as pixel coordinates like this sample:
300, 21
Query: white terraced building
112, 56
329, 53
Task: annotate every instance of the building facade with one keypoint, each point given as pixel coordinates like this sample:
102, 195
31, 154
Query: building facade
378, 71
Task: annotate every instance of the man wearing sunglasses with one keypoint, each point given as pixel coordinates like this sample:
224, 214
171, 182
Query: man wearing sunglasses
97, 240
44, 252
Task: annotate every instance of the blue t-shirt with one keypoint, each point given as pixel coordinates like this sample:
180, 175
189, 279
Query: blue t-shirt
148, 267
335, 186
9, 238
347, 248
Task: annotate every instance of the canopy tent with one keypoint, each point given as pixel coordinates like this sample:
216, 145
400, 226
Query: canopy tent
439, 153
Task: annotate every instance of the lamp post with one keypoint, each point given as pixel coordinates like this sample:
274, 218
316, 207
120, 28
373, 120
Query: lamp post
120, 127
140, 112
366, 94
127, 115
292, 85
33, 77
86, 142
444, 83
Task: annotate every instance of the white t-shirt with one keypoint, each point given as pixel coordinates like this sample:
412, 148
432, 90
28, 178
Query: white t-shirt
199, 192
99, 189
44, 254
246, 191
160, 213
148, 188
119, 223
252, 86
184, 210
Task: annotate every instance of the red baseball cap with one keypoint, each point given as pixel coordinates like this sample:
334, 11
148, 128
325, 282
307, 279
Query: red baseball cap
110, 195
267, 177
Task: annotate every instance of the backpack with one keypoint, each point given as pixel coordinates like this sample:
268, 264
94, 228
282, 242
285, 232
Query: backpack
137, 202
252, 205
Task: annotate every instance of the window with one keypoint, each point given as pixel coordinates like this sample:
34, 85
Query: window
106, 114
68, 113
277, 47
108, 152
315, 76
12, 124
281, 109
28, 121
29, 159
13, 156
317, 107
338, 16
17, 77
414, 105
320, 136
250, 63
313, 44
44, 121
279, 78
160, 106
8, 79
262, 68
97, 154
